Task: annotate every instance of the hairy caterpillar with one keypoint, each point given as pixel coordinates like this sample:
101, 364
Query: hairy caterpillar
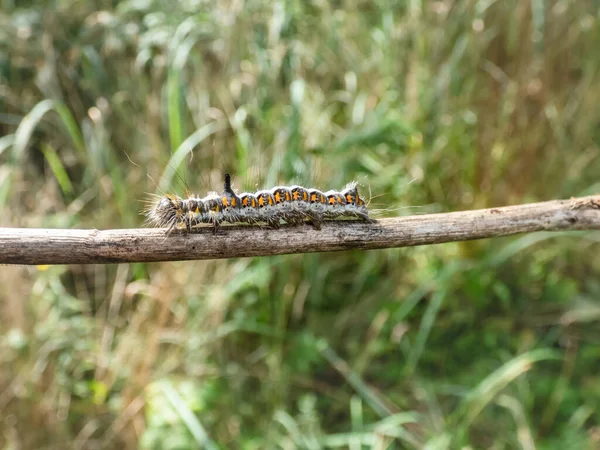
293, 205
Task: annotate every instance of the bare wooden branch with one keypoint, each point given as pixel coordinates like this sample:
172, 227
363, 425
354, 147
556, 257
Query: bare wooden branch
55, 246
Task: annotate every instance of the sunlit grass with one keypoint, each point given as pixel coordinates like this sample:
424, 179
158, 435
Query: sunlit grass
432, 106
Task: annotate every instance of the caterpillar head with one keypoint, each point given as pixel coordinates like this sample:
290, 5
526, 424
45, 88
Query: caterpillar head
166, 212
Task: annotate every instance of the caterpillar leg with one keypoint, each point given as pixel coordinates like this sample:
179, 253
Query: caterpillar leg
273, 223
364, 217
215, 225
170, 229
188, 225
315, 220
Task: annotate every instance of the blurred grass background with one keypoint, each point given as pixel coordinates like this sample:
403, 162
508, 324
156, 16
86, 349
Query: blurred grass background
435, 106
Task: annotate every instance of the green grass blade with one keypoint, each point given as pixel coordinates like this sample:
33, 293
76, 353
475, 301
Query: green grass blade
27, 125
57, 169
187, 416
425, 329
6, 142
185, 149
356, 415
439, 442
34, 117
71, 125
174, 108
431, 313
355, 381
488, 389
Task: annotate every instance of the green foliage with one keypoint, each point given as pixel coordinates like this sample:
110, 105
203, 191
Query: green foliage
432, 106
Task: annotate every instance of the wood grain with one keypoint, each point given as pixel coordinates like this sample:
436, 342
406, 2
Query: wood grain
59, 246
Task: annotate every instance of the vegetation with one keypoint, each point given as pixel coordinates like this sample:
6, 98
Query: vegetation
434, 106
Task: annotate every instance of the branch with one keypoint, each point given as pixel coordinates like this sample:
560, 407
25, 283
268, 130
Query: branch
54, 246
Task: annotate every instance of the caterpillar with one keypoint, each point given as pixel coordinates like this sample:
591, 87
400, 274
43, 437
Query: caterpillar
293, 205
